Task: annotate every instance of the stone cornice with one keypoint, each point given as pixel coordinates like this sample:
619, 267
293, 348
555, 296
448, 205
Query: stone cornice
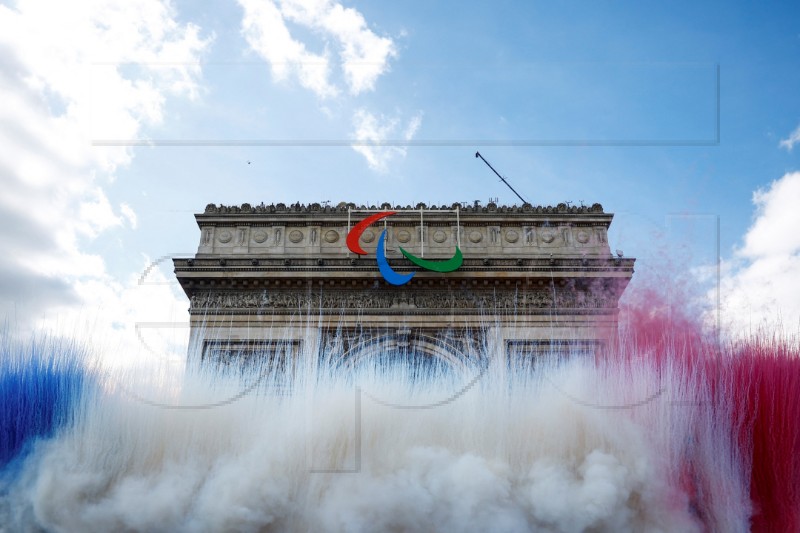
194, 273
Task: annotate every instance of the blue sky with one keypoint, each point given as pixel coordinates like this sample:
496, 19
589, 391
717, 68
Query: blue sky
610, 102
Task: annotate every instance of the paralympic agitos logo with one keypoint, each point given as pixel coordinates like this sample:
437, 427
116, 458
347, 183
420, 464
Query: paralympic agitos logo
388, 274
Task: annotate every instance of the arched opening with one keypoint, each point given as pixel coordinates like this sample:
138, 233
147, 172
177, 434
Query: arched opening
417, 352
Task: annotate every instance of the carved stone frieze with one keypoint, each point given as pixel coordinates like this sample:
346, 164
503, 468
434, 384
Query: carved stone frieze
294, 300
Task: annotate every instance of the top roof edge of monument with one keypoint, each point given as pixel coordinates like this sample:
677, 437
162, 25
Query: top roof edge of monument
343, 207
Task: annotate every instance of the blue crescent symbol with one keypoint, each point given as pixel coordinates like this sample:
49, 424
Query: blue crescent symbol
386, 271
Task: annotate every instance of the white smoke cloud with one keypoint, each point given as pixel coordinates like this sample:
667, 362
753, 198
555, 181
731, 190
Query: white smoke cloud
515, 455
760, 285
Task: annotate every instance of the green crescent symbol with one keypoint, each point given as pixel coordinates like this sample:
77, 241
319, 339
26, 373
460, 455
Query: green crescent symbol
437, 266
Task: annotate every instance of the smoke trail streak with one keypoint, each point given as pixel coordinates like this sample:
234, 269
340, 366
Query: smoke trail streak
40, 385
767, 373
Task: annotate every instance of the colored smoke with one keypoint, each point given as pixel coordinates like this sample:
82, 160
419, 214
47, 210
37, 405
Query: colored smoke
41, 383
668, 431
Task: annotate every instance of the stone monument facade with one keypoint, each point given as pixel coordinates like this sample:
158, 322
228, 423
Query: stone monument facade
533, 279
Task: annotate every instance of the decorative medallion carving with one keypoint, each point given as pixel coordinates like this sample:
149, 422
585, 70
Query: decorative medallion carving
512, 236
582, 237
331, 236
439, 236
548, 236
368, 236
295, 236
475, 236
260, 236
225, 236
403, 236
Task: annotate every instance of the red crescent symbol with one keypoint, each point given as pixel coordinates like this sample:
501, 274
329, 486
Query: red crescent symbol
358, 229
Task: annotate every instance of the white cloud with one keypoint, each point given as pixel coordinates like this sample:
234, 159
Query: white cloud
95, 215
760, 287
266, 33
135, 319
793, 139
129, 214
364, 56
377, 129
74, 72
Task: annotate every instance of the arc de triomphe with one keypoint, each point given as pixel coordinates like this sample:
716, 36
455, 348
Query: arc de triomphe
533, 278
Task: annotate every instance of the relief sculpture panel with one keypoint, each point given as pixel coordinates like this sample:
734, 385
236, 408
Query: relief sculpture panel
386, 300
